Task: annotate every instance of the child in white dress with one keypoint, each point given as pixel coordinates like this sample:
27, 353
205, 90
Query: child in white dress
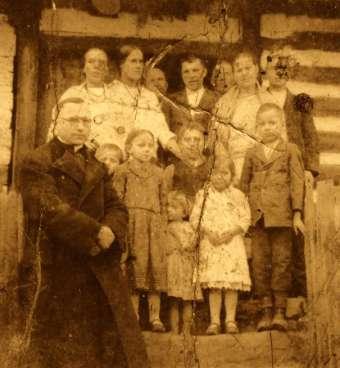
180, 241
221, 216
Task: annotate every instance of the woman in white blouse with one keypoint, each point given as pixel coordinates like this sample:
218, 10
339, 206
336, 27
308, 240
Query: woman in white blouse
134, 106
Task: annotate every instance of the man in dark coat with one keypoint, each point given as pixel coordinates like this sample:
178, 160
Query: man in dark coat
197, 101
76, 225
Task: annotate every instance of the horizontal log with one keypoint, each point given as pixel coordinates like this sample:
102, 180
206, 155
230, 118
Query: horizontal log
306, 40
325, 106
317, 75
61, 46
329, 142
72, 22
280, 25
315, 90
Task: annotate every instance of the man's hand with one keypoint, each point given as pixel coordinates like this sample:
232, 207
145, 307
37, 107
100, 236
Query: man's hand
105, 237
298, 224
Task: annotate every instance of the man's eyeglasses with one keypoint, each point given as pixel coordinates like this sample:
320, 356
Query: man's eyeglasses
77, 119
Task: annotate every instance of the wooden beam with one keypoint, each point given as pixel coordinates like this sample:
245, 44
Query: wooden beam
26, 95
251, 24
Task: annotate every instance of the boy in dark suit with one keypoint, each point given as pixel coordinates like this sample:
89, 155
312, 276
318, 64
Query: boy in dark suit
299, 129
273, 179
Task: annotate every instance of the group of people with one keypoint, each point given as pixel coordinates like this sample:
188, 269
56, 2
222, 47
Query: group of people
141, 192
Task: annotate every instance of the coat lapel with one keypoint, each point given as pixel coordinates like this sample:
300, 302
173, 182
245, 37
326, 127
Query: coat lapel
208, 100
69, 166
93, 174
277, 153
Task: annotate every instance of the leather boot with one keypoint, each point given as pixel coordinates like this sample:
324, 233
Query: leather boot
265, 323
279, 321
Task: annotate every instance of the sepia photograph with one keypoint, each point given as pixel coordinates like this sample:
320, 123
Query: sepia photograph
170, 183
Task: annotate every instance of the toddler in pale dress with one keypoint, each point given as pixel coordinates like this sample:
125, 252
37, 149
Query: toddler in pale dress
221, 216
180, 261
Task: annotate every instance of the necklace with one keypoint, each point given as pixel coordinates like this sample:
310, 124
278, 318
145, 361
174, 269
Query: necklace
95, 97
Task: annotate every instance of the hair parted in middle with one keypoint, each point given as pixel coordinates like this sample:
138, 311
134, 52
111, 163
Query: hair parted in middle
133, 135
125, 51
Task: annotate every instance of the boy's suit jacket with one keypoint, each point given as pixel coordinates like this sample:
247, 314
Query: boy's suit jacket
274, 186
182, 116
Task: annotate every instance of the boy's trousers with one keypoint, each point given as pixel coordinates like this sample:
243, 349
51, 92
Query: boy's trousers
272, 256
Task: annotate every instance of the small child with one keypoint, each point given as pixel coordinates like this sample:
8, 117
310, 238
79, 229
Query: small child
140, 184
181, 261
273, 180
221, 216
189, 176
110, 155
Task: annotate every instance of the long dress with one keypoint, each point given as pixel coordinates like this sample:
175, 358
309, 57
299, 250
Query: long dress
223, 266
142, 188
181, 258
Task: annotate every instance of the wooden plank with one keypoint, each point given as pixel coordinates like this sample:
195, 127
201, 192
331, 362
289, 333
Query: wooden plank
26, 97
325, 272
310, 260
325, 230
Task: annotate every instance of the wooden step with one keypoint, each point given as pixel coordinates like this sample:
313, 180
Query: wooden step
245, 350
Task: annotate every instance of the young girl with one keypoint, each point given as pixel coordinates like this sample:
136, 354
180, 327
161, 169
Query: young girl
181, 261
140, 183
221, 216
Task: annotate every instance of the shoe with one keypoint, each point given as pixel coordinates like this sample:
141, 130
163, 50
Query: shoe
213, 329
231, 327
157, 326
279, 321
265, 322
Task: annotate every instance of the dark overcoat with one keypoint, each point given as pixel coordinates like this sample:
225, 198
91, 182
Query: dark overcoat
301, 131
274, 186
84, 317
181, 117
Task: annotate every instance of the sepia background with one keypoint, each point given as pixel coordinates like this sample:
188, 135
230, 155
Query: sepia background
41, 48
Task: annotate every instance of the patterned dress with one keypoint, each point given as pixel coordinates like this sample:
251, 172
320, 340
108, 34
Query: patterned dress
142, 188
225, 265
181, 261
